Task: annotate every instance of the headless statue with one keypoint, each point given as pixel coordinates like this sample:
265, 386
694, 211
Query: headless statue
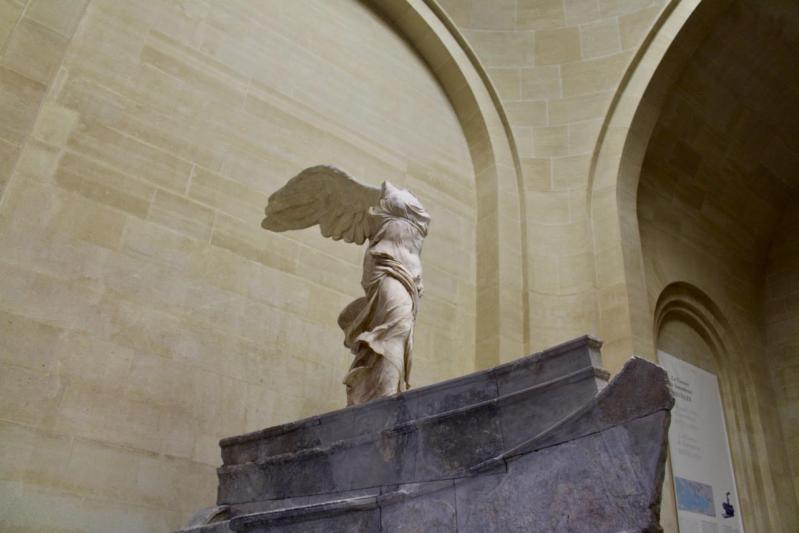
378, 327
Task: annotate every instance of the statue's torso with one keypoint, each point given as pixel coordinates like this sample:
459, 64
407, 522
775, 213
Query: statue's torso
401, 241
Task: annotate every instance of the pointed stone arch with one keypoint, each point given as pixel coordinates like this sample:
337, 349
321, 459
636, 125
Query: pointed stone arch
616, 167
502, 324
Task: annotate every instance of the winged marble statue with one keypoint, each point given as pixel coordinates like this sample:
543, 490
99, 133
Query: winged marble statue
378, 327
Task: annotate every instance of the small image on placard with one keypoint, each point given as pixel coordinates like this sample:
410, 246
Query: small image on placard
729, 510
694, 497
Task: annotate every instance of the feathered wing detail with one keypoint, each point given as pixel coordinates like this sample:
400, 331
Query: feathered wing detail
326, 196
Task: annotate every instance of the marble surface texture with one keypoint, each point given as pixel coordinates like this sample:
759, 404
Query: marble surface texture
378, 327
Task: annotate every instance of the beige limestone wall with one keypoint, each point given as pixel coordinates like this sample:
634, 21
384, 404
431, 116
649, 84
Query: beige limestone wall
145, 314
33, 38
556, 65
781, 317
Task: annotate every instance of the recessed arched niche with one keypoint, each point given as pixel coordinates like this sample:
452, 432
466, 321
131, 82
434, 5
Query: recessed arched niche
692, 172
689, 326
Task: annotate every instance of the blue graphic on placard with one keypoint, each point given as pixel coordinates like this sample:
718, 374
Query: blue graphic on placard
694, 497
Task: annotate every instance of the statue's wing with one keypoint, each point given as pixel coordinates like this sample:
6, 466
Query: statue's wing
326, 196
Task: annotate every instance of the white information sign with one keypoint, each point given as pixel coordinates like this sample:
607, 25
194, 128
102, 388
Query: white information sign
704, 483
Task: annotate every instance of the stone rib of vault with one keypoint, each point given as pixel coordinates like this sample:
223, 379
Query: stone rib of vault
540, 444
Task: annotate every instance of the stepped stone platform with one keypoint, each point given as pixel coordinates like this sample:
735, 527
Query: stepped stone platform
543, 443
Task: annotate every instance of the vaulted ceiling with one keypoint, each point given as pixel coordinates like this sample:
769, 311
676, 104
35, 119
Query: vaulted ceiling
726, 147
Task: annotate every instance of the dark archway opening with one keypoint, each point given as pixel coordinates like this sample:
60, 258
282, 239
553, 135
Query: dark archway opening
718, 207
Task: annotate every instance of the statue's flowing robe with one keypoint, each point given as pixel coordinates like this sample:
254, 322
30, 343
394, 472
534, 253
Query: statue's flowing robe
378, 327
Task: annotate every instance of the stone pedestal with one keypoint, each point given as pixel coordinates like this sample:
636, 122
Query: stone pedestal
540, 444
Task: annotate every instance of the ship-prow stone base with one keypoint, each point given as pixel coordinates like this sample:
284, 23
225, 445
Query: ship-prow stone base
544, 443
